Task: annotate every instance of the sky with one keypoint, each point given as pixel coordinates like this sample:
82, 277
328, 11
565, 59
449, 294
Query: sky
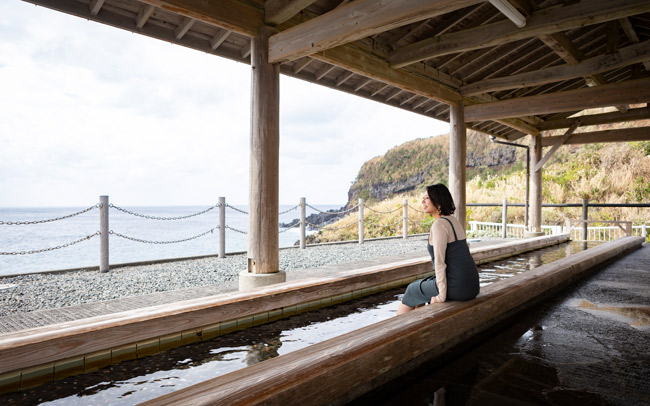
89, 110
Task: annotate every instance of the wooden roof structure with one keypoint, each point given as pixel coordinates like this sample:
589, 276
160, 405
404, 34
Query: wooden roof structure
427, 55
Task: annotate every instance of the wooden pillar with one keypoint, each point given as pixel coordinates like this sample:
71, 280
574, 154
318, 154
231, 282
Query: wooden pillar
263, 244
535, 207
457, 158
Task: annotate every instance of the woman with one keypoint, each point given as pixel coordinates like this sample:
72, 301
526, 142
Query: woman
456, 275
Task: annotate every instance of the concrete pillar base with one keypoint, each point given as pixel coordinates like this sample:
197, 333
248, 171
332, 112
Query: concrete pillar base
533, 234
249, 280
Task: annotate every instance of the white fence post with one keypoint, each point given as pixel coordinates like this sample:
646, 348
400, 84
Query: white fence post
360, 221
504, 220
303, 223
405, 219
222, 227
644, 232
585, 217
103, 233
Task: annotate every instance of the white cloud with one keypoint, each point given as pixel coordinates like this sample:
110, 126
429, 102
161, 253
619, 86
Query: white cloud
87, 109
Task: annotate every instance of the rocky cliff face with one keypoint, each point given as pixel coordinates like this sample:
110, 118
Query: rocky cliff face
425, 161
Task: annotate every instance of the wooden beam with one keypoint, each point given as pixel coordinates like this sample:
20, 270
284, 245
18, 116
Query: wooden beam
218, 39
344, 77
368, 64
559, 142
362, 84
540, 23
324, 71
625, 57
183, 27
596, 119
629, 92
278, 11
631, 34
458, 161
563, 47
622, 135
353, 21
300, 65
95, 6
143, 16
234, 15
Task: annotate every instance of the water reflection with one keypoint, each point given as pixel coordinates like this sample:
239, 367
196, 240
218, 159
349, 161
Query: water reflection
136, 381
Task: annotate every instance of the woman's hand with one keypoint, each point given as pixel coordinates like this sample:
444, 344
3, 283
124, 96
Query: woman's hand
434, 299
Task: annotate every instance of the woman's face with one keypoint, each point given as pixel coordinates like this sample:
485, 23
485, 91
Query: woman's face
428, 207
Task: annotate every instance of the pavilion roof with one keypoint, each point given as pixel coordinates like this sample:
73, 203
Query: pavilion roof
424, 55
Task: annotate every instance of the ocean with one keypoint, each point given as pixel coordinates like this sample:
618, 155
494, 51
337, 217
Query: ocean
33, 237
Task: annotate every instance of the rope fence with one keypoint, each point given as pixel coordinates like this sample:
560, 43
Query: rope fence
477, 228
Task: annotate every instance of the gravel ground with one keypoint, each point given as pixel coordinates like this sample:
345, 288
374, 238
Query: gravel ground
47, 291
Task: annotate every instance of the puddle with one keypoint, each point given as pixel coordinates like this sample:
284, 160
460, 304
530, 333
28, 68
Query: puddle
135, 381
635, 316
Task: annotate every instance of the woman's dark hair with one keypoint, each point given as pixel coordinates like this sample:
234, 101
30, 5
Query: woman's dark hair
441, 198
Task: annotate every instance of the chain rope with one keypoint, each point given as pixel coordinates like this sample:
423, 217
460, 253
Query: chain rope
291, 209
20, 223
236, 209
237, 231
413, 208
290, 228
333, 212
161, 218
384, 212
162, 242
88, 237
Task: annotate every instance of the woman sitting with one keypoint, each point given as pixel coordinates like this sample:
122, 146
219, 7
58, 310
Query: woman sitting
456, 275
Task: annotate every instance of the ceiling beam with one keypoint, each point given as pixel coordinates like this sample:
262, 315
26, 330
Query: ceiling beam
95, 6
143, 16
353, 21
278, 11
183, 27
631, 34
372, 66
597, 119
621, 135
629, 92
234, 15
625, 57
558, 143
540, 23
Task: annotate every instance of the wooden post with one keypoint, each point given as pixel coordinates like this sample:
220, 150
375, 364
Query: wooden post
405, 219
457, 157
504, 219
263, 229
303, 222
222, 227
103, 234
361, 228
535, 207
585, 217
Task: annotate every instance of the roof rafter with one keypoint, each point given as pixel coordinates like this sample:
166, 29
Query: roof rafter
353, 21
540, 23
620, 135
278, 11
625, 57
630, 92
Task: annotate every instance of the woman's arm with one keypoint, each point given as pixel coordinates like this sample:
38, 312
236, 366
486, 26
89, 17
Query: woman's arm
439, 242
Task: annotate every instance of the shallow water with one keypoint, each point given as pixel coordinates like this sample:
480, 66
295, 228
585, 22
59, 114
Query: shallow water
135, 381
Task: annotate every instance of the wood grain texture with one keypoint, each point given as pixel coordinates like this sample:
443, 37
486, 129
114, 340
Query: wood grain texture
629, 92
323, 373
22, 349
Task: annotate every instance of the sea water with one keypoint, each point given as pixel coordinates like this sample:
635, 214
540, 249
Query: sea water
34, 237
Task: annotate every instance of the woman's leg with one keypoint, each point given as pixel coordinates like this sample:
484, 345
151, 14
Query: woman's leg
402, 308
